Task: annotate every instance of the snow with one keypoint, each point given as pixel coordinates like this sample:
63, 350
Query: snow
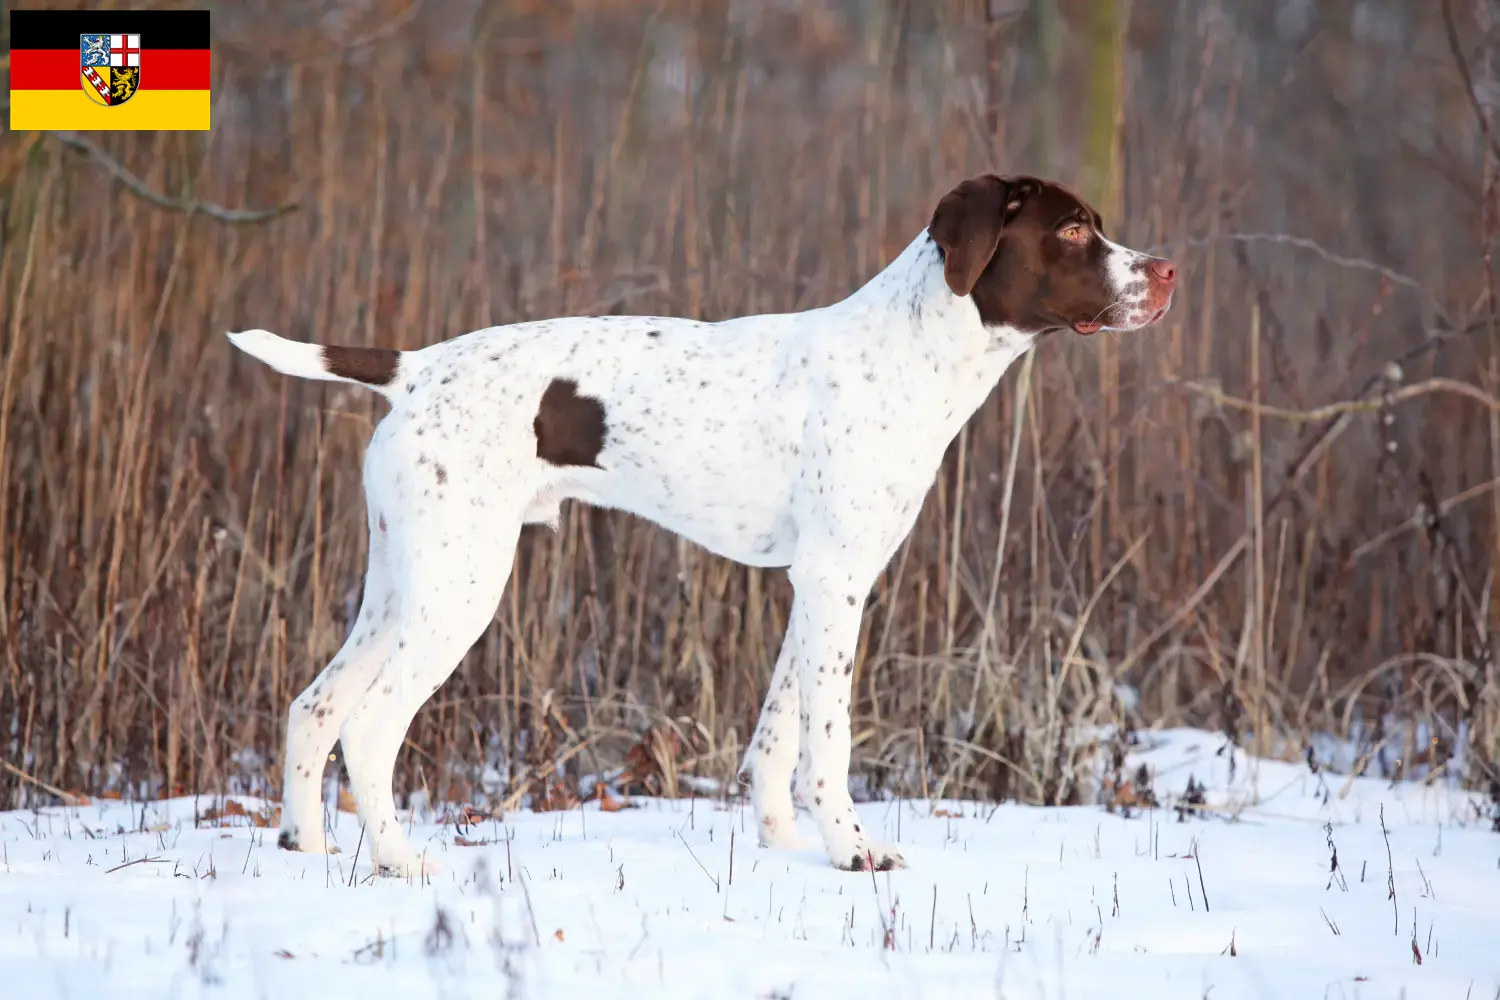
1236, 900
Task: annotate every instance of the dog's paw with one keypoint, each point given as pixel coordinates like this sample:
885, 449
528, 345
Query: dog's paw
879, 857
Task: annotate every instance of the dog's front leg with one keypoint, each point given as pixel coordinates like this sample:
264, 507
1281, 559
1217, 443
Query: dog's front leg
826, 616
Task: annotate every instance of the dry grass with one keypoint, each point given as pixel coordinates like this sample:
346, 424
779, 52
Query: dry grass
182, 532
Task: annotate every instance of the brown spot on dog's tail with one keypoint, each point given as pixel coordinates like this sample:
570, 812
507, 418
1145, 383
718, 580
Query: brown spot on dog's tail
374, 366
569, 428
377, 367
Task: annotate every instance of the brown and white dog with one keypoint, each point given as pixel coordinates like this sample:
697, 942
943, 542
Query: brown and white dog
806, 440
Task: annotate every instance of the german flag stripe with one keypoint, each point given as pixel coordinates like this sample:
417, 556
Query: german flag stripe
60, 29
73, 110
58, 69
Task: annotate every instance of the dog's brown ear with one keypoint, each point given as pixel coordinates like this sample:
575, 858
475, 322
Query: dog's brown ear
966, 224
968, 221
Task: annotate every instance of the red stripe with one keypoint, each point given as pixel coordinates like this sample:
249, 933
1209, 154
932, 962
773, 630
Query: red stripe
59, 69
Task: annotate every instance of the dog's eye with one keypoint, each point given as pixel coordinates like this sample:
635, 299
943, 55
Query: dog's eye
1074, 234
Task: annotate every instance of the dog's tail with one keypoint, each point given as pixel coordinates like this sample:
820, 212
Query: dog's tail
380, 368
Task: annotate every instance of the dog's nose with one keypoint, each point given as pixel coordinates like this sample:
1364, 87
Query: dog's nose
1164, 271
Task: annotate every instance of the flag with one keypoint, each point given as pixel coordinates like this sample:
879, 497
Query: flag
130, 70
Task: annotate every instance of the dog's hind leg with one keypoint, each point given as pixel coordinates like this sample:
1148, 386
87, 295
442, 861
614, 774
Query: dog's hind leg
453, 571
772, 754
314, 720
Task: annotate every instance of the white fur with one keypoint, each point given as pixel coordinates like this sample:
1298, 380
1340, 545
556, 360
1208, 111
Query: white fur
1126, 270
805, 440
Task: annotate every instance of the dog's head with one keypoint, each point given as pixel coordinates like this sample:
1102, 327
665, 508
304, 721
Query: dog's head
1032, 255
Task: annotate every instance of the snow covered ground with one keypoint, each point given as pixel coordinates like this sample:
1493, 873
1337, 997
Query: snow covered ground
674, 900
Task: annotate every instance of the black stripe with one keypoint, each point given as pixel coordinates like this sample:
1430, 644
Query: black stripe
59, 29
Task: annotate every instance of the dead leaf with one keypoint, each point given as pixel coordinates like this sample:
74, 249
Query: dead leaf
462, 841
544, 779
346, 801
608, 803
473, 814
1124, 792
948, 814
558, 934
554, 796
231, 808
652, 763
464, 816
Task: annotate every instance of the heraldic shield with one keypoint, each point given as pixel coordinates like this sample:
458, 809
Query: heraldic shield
111, 67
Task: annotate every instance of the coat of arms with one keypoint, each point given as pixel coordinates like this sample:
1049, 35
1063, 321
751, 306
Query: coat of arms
111, 67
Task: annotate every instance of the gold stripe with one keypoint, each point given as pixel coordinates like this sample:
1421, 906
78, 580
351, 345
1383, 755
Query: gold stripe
73, 109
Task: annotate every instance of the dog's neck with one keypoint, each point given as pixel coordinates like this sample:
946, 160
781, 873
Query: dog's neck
936, 335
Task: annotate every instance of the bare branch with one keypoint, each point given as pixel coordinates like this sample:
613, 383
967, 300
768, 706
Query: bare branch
1358, 263
68, 798
1468, 79
1333, 410
1416, 523
326, 53
141, 190
387, 29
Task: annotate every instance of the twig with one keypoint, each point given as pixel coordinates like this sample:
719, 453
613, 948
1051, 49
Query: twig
1332, 410
513, 800
536, 936
887, 932
354, 861
69, 799
712, 878
1088, 609
1413, 523
1468, 79
932, 921
385, 30
1390, 870
1303, 243
1197, 596
1197, 860
137, 861
141, 190
1329, 921
330, 51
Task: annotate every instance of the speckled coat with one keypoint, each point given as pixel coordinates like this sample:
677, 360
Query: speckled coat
801, 440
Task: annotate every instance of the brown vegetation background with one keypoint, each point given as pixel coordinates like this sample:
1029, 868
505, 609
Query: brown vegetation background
1120, 534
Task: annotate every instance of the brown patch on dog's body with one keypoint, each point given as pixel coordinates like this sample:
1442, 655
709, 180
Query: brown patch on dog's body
370, 365
569, 428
